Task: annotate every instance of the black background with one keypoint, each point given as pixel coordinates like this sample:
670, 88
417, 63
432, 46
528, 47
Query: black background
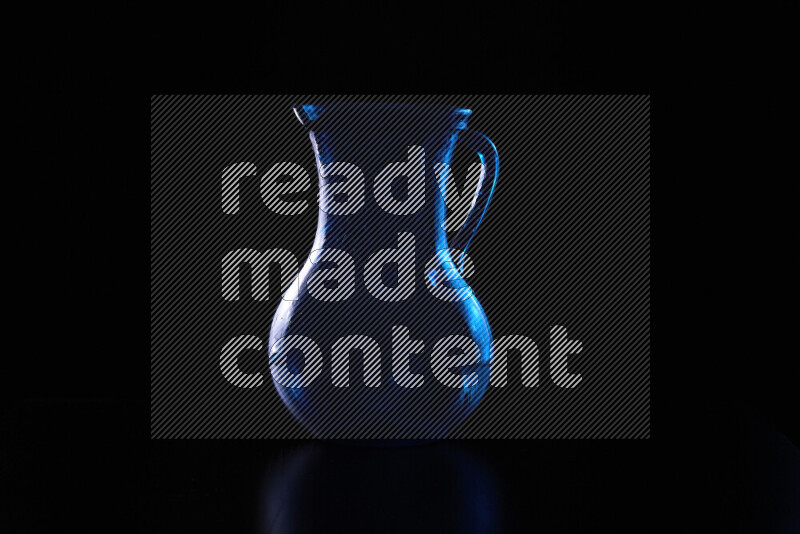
75, 401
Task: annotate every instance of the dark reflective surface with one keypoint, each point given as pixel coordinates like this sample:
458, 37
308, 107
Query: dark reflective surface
89, 466
322, 487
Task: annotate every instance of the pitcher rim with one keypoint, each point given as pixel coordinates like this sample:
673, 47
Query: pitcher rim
307, 113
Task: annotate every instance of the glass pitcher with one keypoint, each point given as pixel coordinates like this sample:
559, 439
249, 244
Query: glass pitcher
380, 336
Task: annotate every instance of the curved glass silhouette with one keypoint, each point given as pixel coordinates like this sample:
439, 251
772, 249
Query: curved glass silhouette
380, 336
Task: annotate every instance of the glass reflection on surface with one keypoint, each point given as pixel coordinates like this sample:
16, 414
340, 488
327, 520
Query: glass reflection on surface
325, 487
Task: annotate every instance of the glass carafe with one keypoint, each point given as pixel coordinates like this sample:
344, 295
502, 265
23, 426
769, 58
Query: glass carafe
380, 336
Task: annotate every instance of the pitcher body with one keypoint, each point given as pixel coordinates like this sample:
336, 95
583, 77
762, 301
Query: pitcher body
380, 336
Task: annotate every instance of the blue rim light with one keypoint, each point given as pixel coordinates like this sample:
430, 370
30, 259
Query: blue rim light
311, 111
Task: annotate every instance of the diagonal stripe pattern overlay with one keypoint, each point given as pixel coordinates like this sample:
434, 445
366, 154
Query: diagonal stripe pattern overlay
562, 257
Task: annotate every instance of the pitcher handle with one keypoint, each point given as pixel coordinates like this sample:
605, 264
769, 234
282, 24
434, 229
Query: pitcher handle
490, 161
